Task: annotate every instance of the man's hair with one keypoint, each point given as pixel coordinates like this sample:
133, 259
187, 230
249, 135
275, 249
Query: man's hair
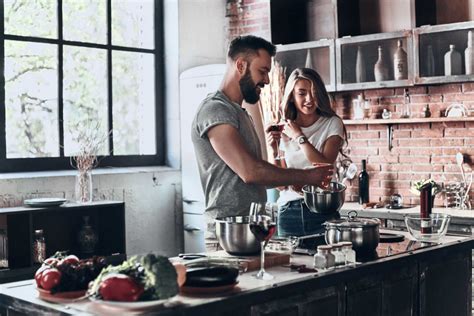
249, 45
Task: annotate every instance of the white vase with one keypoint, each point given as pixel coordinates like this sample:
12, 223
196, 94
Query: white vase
309, 60
400, 71
452, 62
360, 66
381, 68
469, 54
83, 187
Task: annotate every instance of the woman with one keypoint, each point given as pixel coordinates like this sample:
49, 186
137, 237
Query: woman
313, 134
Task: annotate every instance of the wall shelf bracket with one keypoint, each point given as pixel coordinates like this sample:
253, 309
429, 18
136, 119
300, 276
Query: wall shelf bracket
390, 136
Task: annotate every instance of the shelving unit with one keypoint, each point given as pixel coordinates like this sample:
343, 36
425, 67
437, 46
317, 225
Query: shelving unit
319, 54
391, 122
60, 225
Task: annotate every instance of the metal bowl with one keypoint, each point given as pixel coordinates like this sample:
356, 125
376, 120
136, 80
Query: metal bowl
235, 237
325, 201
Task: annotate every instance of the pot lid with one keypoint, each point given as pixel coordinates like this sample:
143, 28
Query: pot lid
353, 221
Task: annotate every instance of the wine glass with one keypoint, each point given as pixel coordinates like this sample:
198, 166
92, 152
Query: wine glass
263, 227
276, 124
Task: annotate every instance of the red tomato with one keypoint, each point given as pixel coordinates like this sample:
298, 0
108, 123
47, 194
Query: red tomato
50, 278
51, 262
39, 273
120, 287
71, 259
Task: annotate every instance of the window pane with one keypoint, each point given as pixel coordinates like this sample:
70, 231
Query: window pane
85, 21
31, 18
31, 100
134, 103
85, 98
132, 23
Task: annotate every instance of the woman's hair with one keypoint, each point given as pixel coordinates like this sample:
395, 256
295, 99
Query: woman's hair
319, 92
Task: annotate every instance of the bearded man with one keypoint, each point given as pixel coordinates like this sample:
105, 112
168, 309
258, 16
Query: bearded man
232, 171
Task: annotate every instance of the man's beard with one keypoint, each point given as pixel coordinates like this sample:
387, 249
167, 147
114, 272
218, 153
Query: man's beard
249, 88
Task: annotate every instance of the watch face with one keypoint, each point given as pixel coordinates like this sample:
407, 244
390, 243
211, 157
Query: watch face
301, 139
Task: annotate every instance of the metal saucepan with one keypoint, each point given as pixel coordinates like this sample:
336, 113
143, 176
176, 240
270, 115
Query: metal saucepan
234, 235
324, 201
363, 233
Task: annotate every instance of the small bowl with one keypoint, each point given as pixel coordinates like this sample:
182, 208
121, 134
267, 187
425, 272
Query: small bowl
325, 201
435, 226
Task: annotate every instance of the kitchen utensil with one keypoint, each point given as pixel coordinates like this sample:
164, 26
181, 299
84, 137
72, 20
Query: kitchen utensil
437, 223
235, 237
363, 233
324, 201
44, 202
350, 173
460, 161
466, 195
211, 276
387, 237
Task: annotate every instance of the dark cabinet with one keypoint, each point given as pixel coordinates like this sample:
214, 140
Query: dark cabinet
60, 226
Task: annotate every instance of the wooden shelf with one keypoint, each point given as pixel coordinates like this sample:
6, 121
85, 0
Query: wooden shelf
409, 120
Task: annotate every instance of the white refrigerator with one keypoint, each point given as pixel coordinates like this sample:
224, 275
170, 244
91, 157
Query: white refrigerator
195, 84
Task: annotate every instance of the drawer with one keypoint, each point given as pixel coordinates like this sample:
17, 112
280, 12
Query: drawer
194, 228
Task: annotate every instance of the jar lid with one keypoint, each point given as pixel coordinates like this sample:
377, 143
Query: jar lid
324, 247
352, 221
345, 243
336, 246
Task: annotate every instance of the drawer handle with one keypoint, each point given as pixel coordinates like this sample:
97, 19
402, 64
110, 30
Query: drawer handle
189, 201
190, 228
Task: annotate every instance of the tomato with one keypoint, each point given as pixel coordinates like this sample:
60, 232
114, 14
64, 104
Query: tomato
71, 259
181, 273
50, 278
39, 273
51, 262
120, 287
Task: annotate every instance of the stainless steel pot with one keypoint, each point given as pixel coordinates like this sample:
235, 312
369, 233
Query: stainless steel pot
235, 237
363, 233
324, 201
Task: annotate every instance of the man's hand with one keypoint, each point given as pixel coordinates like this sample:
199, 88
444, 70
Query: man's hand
321, 174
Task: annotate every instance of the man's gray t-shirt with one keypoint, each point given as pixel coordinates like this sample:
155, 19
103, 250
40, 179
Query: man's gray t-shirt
226, 194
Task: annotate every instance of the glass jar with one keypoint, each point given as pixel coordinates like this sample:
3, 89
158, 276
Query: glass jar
349, 253
339, 258
323, 259
39, 247
3, 248
83, 187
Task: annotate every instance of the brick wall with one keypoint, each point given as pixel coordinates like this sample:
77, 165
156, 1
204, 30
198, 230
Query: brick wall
419, 150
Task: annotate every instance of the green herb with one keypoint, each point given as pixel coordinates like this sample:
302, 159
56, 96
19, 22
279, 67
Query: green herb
416, 187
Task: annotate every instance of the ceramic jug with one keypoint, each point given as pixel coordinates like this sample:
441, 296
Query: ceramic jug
400, 71
469, 54
360, 66
452, 62
381, 68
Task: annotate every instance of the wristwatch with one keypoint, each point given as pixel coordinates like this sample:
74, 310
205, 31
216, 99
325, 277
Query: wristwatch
301, 139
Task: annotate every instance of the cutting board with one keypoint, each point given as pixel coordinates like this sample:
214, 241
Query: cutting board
272, 259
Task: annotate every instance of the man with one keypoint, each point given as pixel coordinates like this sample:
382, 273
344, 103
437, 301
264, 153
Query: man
232, 171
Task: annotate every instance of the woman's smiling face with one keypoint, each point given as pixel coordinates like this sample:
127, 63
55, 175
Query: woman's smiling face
305, 101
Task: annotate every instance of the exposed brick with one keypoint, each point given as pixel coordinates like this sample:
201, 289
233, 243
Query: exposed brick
365, 134
395, 184
445, 89
390, 100
362, 127
379, 143
420, 99
447, 142
401, 134
385, 176
376, 127
427, 168
414, 159
458, 97
435, 98
383, 159
442, 159
455, 132
394, 151
396, 167
417, 90
364, 151
468, 87
375, 94
427, 133
411, 142
426, 151
470, 126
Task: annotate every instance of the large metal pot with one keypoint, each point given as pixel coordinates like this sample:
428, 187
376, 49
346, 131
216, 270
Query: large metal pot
324, 201
363, 233
235, 237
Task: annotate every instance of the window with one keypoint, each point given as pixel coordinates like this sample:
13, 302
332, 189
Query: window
75, 68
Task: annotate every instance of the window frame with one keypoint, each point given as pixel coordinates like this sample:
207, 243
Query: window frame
64, 162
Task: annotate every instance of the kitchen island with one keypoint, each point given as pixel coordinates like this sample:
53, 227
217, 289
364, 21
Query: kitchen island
434, 279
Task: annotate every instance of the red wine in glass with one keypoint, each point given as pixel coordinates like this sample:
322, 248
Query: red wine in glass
276, 127
263, 231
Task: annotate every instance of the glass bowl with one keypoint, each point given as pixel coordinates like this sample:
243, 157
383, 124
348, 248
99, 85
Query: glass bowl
428, 229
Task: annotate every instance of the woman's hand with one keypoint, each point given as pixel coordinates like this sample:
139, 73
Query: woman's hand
273, 137
292, 129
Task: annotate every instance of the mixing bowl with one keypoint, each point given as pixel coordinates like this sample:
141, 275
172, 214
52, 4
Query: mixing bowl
428, 229
325, 201
235, 237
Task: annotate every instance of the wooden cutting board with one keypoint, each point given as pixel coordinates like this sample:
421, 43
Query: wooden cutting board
272, 259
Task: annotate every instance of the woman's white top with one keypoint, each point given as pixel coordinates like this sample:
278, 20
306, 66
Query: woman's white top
317, 134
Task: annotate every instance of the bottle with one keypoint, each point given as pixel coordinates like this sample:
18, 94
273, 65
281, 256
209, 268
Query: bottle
339, 258
452, 62
406, 111
39, 247
425, 208
469, 54
349, 253
3, 248
323, 259
400, 71
426, 111
380, 68
430, 62
386, 114
357, 106
360, 66
309, 60
363, 184
87, 238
